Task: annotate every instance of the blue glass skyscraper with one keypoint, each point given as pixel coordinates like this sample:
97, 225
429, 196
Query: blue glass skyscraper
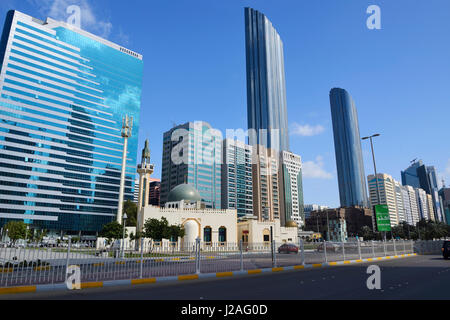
266, 88
418, 175
347, 144
192, 154
63, 93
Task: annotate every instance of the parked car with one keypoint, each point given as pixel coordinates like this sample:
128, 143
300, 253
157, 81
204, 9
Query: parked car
331, 247
446, 249
288, 248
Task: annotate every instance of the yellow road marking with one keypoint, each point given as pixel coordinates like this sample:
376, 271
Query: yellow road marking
42, 268
255, 271
188, 277
87, 285
277, 269
17, 290
143, 281
6, 270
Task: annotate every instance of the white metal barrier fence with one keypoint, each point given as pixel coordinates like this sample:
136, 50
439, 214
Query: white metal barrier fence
428, 246
36, 264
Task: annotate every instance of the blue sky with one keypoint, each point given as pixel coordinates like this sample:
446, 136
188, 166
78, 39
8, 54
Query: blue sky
194, 57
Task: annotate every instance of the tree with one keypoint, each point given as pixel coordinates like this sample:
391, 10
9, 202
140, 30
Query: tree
398, 231
366, 233
176, 231
160, 229
112, 231
130, 208
156, 229
16, 230
36, 235
429, 230
136, 236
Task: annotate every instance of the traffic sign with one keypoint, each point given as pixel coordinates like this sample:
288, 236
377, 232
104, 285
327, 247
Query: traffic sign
382, 216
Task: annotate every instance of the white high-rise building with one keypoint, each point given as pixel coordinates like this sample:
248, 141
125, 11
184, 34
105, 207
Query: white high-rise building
386, 187
422, 204
136, 191
415, 216
406, 205
401, 214
292, 193
430, 207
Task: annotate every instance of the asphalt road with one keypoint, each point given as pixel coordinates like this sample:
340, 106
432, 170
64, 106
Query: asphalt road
420, 277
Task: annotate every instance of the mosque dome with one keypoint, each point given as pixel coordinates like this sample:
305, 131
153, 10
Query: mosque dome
184, 192
291, 224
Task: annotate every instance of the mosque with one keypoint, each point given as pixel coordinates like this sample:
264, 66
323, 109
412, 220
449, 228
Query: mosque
213, 226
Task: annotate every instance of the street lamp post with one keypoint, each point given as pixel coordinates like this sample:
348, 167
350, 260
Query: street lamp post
127, 126
375, 169
123, 238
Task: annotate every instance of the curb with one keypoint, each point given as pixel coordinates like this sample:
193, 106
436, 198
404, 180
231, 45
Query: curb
86, 285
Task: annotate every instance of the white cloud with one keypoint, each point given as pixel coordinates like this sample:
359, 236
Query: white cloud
124, 39
306, 130
56, 9
315, 170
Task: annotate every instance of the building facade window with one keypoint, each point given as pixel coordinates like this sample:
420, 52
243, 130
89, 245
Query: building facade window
207, 234
222, 234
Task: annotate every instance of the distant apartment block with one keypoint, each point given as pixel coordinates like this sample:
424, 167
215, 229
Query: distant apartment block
266, 184
237, 178
405, 203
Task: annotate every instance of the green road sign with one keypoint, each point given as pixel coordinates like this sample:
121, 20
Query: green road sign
382, 215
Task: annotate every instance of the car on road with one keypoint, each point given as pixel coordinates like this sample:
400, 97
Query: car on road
288, 248
331, 247
446, 249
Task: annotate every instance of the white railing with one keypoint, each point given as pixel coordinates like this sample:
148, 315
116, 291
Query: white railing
42, 264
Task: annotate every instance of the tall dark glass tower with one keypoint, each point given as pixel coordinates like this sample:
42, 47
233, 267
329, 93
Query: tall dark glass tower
347, 144
266, 89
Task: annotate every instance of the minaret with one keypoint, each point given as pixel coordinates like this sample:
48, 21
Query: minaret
127, 126
145, 169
